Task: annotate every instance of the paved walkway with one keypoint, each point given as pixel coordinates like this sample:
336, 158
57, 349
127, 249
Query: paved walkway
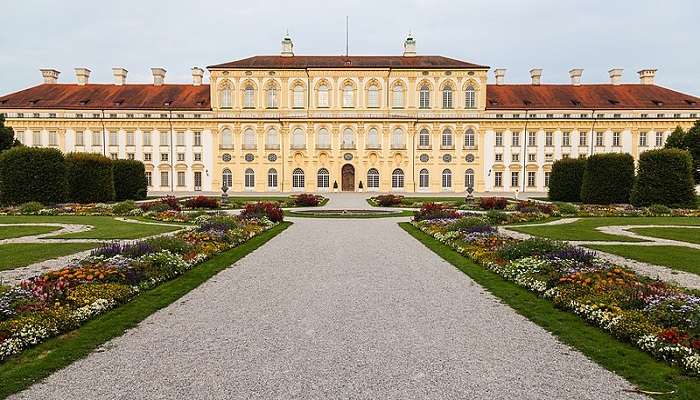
336, 309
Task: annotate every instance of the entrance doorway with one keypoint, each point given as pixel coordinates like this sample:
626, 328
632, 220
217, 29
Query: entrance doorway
348, 180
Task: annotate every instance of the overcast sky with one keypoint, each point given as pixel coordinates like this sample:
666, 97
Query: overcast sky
555, 35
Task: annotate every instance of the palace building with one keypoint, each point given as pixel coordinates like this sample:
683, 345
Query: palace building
406, 123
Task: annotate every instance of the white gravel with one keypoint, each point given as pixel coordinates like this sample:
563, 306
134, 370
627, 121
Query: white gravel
336, 309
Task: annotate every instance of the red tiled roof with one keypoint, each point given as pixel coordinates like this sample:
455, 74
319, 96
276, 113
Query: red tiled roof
301, 62
110, 97
597, 96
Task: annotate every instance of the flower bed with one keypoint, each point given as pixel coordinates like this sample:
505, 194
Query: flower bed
657, 317
61, 300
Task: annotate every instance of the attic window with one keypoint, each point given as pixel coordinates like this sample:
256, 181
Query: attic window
690, 102
348, 63
33, 102
84, 102
119, 102
658, 103
527, 102
493, 102
200, 103
575, 102
3, 101
613, 102
167, 103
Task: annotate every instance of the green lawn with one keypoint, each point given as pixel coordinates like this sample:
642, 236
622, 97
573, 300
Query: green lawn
674, 257
15, 255
584, 229
287, 201
104, 227
370, 214
8, 232
415, 202
624, 359
19, 372
691, 235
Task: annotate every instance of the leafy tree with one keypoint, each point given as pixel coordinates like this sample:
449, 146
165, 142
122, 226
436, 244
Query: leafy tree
677, 139
664, 177
688, 141
7, 135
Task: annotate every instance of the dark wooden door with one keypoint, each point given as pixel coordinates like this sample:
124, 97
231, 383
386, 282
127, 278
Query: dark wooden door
348, 181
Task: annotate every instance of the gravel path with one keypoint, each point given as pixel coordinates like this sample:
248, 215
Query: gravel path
351, 309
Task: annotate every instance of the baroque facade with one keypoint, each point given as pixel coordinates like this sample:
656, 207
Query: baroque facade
407, 123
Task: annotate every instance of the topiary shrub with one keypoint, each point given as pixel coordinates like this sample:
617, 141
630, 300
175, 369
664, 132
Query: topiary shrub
271, 210
566, 179
388, 200
436, 211
32, 207
496, 217
124, 207
202, 202
90, 178
608, 179
129, 180
665, 177
493, 203
32, 174
306, 200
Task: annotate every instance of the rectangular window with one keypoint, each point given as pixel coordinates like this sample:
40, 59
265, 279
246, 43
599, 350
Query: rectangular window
515, 157
347, 96
147, 138
130, 138
515, 179
547, 175
113, 156
164, 139
149, 178
180, 138
164, 157
499, 157
548, 157
531, 180
147, 157
53, 138
181, 156
181, 178
79, 138
549, 139
642, 139
323, 97
516, 139
499, 138
498, 179
582, 139
373, 98
164, 178
532, 139
198, 138
446, 99
198, 156
424, 99
298, 97
532, 157
566, 139
616, 139
113, 139
659, 139
36, 138
599, 139
130, 156
197, 180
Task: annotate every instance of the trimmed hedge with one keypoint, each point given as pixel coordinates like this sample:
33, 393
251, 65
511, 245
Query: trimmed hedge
608, 179
665, 176
32, 174
566, 179
129, 180
90, 178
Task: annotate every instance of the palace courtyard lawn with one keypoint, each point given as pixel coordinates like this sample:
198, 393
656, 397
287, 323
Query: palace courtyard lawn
674, 257
680, 234
9, 232
16, 255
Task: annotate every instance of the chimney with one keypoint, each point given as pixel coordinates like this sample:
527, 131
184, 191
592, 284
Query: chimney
615, 75
536, 75
575, 75
197, 75
409, 46
287, 46
646, 76
50, 75
82, 75
158, 76
500, 74
119, 76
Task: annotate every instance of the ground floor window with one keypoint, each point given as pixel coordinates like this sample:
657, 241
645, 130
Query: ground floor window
197, 180
249, 178
164, 178
298, 178
227, 178
397, 179
272, 178
373, 179
547, 175
149, 178
181, 178
323, 178
514, 179
469, 178
423, 179
531, 180
498, 179
446, 179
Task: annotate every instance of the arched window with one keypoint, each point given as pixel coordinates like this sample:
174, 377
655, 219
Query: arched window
225, 94
273, 139
227, 178
424, 138
469, 178
298, 178
447, 139
469, 138
446, 179
373, 138
323, 96
348, 139
323, 179
298, 96
423, 179
447, 97
470, 97
249, 97
397, 141
373, 96
397, 96
298, 140
226, 139
249, 178
249, 139
424, 97
397, 179
272, 178
348, 100
272, 97
324, 139
372, 179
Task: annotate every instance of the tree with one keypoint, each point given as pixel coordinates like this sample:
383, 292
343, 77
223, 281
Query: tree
664, 177
566, 178
608, 179
7, 136
90, 178
129, 179
32, 174
688, 141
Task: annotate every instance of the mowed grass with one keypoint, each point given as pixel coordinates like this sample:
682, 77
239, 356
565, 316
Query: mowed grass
21, 371
624, 359
15, 255
9, 232
585, 228
103, 227
674, 257
690, 235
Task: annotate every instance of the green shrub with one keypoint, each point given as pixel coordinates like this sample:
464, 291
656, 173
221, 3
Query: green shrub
467, 223
659, 209
608, 179
31, 207
90, 178
129, 180
566, 179
496, 217
124, 207
665, 176
567, 209
529, 248
32, 174
170, 243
